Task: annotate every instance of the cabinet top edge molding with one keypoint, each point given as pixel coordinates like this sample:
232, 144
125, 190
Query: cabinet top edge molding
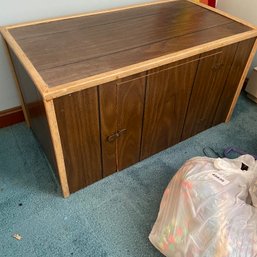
71, 53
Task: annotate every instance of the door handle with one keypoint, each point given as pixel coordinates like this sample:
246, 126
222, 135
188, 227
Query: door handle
113, 137
217, 66
122, 131
116, 135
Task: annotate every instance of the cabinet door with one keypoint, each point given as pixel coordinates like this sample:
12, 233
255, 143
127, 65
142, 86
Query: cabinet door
167, 96
121, 112
212, 72
78, 121
230, 93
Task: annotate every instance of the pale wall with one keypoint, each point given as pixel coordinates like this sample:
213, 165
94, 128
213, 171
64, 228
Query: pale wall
15, 11
245, 9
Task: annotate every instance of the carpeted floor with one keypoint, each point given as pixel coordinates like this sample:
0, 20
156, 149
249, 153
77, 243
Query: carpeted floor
113, 217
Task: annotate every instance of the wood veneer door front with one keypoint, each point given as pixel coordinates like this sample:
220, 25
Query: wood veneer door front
211, 76
241, 57
167, 96
121, 112
78, 122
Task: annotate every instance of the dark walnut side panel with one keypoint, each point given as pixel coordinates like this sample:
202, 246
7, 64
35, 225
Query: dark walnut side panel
208, 86
242, 54
167, 96
77, 118
121, 108
36, 111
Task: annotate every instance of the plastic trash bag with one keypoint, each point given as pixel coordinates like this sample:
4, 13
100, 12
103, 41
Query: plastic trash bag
208, 210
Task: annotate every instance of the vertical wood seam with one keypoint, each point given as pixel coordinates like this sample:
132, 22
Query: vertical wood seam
241, 83
100, 131
143, 118
56, 140
117, 125
189, 99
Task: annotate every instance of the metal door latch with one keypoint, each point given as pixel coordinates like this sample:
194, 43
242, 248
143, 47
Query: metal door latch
116, 135
217, 66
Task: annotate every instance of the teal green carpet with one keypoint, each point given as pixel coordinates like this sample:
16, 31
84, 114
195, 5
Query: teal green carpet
113, 217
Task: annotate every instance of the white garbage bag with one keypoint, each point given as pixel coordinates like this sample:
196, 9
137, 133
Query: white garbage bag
208, 210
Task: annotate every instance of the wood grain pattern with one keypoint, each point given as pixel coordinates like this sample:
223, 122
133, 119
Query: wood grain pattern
167, 97
101, 12
242, 80
90, 49
42, 122
77, 118
208, 86
121, 106
131, 96
233, 79
117, 60
89, 20
28, 66
109, 76
35, 109
55, 135
95, 41
108, 113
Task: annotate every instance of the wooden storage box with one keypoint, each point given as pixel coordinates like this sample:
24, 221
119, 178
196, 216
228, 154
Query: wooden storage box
102, 91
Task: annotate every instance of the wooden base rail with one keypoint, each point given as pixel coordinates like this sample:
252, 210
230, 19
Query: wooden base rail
11, 116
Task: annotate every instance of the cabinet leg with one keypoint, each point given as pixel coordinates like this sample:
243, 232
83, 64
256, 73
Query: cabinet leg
53, 126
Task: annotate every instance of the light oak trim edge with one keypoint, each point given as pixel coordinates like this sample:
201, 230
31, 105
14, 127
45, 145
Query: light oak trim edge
106, 77
90, 13
54, 130
225, 14
17, 83
29, 67
242, 80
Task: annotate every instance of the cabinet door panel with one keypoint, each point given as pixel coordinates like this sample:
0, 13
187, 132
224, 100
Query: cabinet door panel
121, 108
77, 118
108, 109
131, 106
208, 86
234, 76
167, 96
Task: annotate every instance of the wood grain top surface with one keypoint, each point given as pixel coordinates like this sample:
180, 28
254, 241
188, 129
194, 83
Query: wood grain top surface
72, 49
